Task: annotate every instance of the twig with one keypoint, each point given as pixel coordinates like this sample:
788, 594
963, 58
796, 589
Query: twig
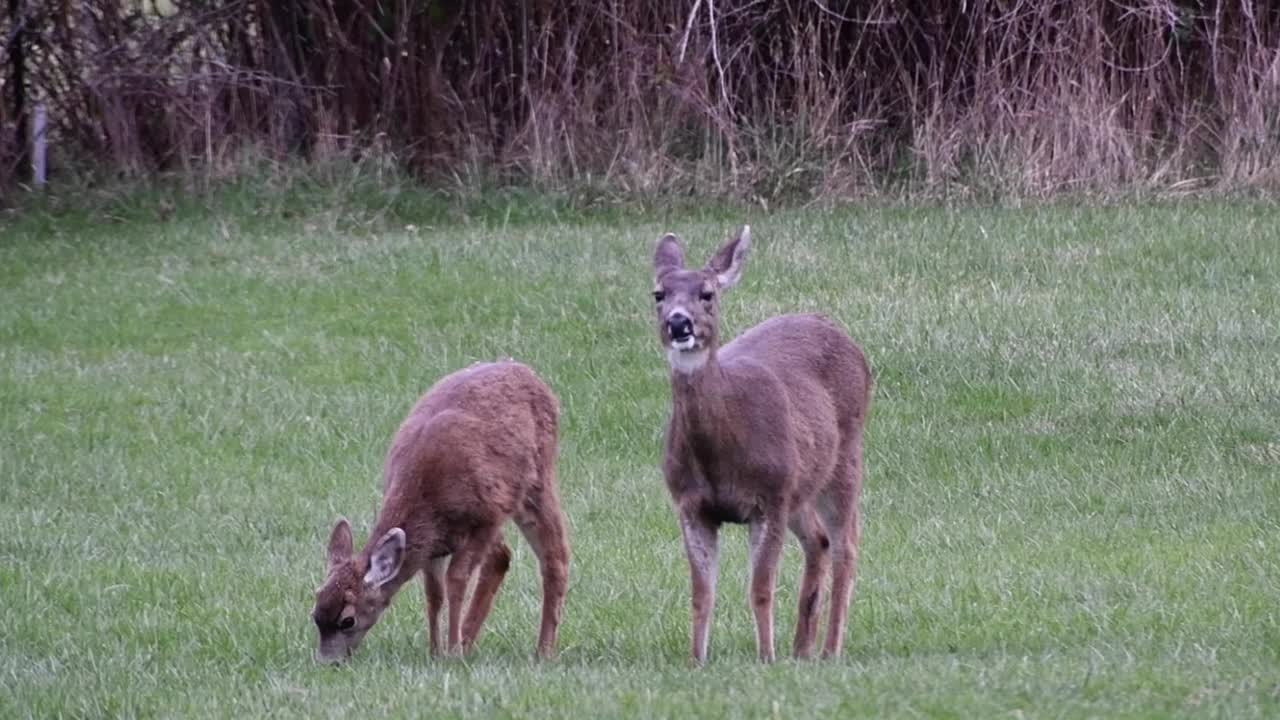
845, 18
688, 27
715, 55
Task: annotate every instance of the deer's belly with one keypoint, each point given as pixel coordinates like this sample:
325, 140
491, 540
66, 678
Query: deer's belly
718, 512
729, 504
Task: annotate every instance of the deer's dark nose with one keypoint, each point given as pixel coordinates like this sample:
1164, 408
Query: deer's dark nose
680, 326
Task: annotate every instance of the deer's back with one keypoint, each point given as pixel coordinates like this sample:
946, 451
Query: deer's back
499, 392
479, 438
815, 361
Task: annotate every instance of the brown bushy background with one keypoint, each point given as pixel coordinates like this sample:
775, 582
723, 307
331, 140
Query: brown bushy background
763, 99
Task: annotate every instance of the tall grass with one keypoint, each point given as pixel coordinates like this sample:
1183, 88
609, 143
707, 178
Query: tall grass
783, 100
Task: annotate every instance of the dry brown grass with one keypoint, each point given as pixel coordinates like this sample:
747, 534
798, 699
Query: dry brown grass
771, 101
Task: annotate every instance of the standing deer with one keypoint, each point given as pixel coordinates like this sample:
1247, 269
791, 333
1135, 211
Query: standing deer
767, 431
478, 448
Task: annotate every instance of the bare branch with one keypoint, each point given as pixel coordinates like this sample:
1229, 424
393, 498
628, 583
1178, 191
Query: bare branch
688, 27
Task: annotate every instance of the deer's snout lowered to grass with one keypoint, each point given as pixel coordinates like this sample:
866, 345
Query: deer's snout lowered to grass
478, 448
766, 431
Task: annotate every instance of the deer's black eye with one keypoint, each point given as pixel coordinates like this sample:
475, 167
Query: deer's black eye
707, 296
659, 296
346, 623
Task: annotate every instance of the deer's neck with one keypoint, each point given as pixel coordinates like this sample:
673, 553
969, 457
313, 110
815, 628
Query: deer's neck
697, 394
422, 541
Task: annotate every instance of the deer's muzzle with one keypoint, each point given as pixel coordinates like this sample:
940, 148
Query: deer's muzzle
680, 327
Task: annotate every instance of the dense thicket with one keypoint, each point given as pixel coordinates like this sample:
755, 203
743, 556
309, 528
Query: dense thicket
756, 97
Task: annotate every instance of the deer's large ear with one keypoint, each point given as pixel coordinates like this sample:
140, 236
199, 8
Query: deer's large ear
668, 256
340, 542
384, 563
727, 264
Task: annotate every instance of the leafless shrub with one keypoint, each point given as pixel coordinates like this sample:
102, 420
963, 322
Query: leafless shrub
764, 99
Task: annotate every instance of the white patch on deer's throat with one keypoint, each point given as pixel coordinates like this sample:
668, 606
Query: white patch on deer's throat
686, 361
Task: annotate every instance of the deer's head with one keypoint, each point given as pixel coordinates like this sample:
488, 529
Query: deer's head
356, 590
688, 301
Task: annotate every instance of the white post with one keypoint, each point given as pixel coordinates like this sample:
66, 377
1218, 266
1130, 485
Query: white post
39, 145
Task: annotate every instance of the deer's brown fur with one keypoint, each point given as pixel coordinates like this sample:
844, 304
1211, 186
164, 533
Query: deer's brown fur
766, 430
478, 448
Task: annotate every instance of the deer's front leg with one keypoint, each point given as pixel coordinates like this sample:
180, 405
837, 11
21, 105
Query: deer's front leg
701, 543
433, 582
766, 536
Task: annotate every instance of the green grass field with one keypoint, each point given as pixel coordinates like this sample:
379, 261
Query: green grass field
1072, 506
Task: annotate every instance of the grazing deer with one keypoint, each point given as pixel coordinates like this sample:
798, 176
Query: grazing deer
477, 449
767, 431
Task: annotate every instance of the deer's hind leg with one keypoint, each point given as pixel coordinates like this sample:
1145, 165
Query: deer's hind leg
838, 505
807, 526
492, 570
542, 523
468, 555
